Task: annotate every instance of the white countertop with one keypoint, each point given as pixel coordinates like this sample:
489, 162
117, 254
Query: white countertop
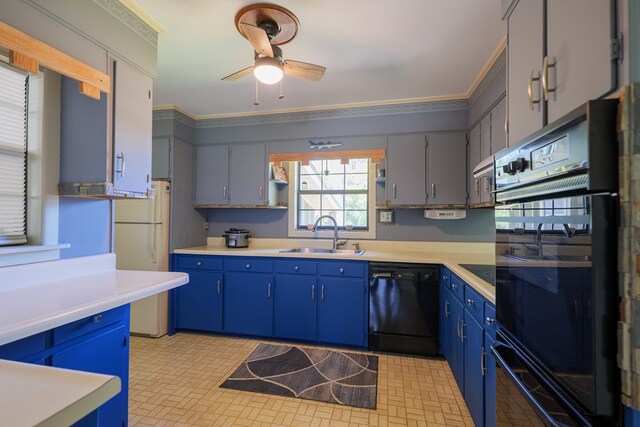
449, 254
42, 296
33, 395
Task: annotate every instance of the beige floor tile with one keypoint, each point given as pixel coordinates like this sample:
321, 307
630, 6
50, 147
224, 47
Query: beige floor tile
174, 381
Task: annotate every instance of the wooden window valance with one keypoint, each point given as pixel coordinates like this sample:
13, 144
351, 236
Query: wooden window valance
28, 53
374, 155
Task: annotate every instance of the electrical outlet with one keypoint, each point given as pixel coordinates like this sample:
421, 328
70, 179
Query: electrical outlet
385, 216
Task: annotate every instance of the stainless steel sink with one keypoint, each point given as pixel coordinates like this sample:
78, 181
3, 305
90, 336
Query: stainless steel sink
322, 251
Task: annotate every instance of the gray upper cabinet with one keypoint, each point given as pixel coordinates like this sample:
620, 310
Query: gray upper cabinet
232, 175
212, 175
105, 145
247, 174
485, 137
578, 65
446, 169
580, 52
406, 165
498, 124
132, 117
525, 53
161, 158
474, 159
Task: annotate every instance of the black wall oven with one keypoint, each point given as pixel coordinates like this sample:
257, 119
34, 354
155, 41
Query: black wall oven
556, 273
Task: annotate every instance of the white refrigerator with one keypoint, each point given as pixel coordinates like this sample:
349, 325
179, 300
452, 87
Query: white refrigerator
142, 243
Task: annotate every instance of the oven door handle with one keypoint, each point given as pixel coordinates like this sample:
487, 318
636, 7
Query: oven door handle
540, 410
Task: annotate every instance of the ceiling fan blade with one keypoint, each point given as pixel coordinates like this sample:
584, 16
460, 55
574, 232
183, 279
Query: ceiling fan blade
303, 70
238, 74
258, 39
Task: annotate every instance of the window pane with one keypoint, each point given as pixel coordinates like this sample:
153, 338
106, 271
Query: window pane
338, 215
357, 165
310, 182
356, 218
355, 201
333, 166
356, 182
307, 217
310, 201
333, 182
332, 201
314, 167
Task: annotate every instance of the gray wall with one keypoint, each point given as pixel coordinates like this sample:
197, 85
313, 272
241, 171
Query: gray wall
187, 224
290, 136
86, 225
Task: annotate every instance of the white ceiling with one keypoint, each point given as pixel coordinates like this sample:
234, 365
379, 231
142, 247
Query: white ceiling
375, 51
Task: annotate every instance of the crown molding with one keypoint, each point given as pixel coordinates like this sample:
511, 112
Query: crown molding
497, 61
331, 113
133, 17
173, 112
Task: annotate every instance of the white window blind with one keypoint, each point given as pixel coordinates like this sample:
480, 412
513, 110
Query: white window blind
13, 147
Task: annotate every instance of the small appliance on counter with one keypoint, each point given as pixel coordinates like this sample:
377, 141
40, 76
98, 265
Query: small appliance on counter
236, 238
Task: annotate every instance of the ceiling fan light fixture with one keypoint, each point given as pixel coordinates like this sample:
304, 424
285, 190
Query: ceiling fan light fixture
268, 70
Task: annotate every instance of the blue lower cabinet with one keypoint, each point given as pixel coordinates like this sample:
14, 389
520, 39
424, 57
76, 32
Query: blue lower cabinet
445, 321
199, 302
28, 349
341, 311
107, 353
456, 360
473, 368
248, 304
489, 382
295, 307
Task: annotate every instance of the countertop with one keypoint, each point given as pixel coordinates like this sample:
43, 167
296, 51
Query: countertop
38, 297
450, 255
41, 296
33, 395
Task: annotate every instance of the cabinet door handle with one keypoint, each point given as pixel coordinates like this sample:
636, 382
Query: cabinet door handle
261, 192
97, 318
218, 287
322, 293
470, 301
482, 354
489, 321
248, 266
532, 101
487, 184
122, 164
199, 263
546, 64
446, 308
313, 292
458, 327
224, 192
454, 286
269, 291
433, 190
296, 268
394, 191
462, 337
477, 186
341, 270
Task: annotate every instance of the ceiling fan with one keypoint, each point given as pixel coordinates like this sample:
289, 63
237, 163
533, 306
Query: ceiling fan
267, 26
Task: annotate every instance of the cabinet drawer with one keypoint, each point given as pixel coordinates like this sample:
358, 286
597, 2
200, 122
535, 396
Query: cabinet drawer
490, 319
199, 262
20, 349
457, 287
344, 269
248, 264
89, 324
296, 267
474, 304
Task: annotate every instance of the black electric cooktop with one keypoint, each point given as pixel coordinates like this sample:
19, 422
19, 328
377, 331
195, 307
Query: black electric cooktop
485, 272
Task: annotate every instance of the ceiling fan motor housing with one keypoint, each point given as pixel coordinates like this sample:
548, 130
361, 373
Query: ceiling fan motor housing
270, 27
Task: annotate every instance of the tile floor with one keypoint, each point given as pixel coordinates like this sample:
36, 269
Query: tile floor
174, 382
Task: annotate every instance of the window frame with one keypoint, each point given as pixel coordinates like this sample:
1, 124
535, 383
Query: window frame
327, 232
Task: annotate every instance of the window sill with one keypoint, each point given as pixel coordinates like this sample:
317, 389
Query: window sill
328, 234
26, 254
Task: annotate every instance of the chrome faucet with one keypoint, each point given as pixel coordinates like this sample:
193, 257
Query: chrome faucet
335, 229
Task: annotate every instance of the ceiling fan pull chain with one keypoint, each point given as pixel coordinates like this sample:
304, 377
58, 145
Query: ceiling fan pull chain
281, 96
257, 101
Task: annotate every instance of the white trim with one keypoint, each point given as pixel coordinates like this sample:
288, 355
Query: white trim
292, 231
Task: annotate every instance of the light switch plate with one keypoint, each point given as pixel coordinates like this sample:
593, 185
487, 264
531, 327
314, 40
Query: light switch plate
385, 216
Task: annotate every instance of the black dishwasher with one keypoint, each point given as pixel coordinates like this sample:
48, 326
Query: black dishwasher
404, 308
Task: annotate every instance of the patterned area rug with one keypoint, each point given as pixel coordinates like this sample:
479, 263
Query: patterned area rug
309, 373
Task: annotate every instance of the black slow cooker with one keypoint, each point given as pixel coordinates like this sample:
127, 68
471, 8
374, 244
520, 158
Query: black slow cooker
236, 238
